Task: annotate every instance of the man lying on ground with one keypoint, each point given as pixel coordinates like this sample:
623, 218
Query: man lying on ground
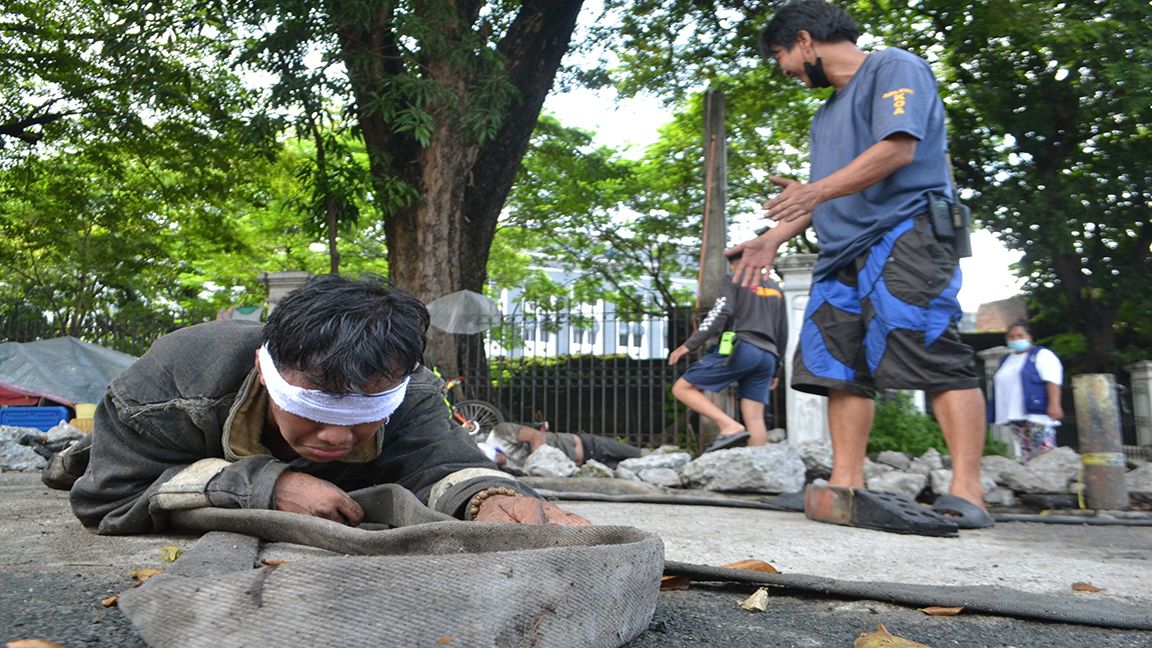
515, 442
329, 396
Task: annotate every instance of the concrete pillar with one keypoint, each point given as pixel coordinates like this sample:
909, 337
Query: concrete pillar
1141, 373
1101, 449
991, 360
282, 283
807, 413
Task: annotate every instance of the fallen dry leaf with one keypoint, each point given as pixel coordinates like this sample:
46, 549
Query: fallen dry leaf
273, 563
33, 643
445, 640
675, 583
935, 610
753, 565
141, 576
1086, 587
110, 601
758, 602
170, 553
884, 639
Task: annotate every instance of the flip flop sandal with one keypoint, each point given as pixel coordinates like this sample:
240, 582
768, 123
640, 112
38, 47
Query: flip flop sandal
725, 441
963, 513
870, 509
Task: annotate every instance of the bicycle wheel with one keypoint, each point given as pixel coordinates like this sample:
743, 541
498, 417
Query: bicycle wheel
484, 415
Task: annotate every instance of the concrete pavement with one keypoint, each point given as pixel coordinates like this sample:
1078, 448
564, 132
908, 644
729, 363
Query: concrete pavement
53, 573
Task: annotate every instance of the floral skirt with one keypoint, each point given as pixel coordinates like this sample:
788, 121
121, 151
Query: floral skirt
1034, 438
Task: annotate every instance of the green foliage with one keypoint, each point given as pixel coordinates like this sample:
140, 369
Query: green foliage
623, 224
899, 426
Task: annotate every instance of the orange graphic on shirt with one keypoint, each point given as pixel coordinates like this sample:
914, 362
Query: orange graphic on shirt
767, 292
898, 99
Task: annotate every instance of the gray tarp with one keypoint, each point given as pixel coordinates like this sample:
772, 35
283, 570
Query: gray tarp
65, 369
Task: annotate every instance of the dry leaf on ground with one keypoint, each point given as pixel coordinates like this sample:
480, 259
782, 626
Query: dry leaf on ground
1086, 587
33, 643
884, 639
140, 576
170, 553
110, 601
936, 610
758, 602
670, 583
753, 565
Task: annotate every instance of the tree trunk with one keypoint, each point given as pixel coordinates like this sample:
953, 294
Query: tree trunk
1099, 316
440, 243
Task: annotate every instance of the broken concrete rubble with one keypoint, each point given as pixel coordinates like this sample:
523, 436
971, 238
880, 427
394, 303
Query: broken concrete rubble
781, 468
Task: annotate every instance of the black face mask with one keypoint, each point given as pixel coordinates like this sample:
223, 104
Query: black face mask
816, 74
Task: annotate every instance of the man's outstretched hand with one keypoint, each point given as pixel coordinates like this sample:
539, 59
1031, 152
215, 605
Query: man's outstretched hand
759, 255
526, 510
794, 201
298, 492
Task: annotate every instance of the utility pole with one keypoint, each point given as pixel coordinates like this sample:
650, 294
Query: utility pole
713, 266
714, 237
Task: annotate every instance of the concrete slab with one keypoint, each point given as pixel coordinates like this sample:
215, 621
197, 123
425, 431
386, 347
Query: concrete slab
1032, 557
53, 574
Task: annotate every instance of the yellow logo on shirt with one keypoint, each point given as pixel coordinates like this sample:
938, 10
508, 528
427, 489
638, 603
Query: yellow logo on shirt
898, 99
767, 292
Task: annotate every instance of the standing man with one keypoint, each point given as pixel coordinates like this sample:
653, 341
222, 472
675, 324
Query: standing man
756, 316
329, 396
883, 312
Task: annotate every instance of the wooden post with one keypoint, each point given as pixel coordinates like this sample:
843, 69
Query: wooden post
714, 237
713, 266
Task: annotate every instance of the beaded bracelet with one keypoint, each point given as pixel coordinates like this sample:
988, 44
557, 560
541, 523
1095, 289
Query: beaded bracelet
478, 499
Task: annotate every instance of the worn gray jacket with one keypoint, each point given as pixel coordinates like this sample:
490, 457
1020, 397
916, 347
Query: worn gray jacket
181, 429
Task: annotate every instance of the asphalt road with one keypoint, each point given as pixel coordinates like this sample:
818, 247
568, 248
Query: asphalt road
54, 575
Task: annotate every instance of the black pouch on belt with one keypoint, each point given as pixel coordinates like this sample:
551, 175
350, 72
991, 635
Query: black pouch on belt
952, 223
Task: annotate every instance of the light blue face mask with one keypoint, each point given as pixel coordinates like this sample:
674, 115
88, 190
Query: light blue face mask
1019, 346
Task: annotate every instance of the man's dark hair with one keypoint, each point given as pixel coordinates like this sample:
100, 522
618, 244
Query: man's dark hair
344, 335
825, 22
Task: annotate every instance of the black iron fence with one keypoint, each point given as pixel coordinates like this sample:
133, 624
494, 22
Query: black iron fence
132, 336
606, 373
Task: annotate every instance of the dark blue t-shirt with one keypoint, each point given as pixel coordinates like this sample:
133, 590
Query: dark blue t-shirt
894, 91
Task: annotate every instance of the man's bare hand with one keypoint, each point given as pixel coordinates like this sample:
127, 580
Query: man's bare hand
676, 354
526, 510
795, 201
297, 492
759, 255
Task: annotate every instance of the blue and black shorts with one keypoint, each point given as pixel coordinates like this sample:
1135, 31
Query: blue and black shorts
889, 320
751, 367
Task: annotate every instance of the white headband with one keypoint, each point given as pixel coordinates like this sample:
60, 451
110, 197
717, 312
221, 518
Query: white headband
325, 407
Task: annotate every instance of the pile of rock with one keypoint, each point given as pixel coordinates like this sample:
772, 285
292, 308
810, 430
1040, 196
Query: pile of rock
24, 448
782, 468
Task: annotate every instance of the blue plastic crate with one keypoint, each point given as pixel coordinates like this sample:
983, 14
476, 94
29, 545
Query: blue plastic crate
41, 418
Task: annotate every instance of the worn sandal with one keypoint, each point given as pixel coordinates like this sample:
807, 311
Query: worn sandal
870, 509
725, 441
963, 513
